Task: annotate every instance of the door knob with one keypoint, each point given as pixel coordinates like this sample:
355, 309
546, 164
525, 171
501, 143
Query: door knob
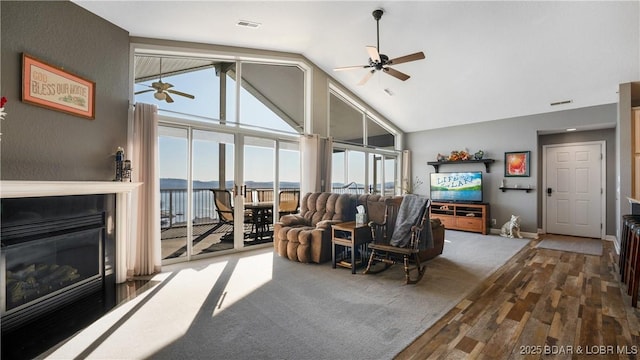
549, 191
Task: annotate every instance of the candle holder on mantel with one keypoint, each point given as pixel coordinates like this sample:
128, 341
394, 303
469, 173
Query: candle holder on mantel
122, 166
126, 174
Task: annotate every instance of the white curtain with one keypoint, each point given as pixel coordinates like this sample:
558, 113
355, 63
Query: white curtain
315, 164
327, 157
407, 185
144, 248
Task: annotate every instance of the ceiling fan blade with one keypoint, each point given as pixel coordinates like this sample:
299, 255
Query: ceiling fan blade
181, 94
397, 74
351, 67
143, 91
373, 53
407, 58
366, 77
168, 98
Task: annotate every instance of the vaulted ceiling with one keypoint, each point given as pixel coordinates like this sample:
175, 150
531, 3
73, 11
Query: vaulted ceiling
484, 60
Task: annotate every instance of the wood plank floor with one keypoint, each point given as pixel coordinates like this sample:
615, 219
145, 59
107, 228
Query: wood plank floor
542, 304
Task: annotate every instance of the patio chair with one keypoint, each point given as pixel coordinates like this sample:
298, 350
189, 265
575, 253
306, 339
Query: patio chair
289, 202
224, 208
405, 241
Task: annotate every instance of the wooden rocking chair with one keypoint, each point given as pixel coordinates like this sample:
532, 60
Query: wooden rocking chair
388, 251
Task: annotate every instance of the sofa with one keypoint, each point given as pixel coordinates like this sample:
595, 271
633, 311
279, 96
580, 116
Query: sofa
306, 236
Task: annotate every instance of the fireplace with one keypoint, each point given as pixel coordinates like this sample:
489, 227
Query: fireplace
55, 251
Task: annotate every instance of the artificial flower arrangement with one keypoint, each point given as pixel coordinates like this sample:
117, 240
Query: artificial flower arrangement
461, 155
3, 101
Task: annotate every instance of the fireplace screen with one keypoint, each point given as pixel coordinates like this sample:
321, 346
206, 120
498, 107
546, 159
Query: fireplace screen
41, 268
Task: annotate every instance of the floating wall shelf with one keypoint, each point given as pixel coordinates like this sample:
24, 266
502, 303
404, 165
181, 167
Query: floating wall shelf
514, 188
486, 162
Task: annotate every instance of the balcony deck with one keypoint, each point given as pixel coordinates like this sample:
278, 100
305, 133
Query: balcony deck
208, 237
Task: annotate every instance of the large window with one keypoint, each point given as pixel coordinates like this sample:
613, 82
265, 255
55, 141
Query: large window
364, 154
348, 171
224, 125
349, 123
185, 87
271, 96
345, 124
289, 165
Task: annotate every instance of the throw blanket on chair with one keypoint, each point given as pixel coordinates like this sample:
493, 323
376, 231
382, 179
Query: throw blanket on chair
409, 214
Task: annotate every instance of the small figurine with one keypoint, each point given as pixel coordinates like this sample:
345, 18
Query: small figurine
478, 155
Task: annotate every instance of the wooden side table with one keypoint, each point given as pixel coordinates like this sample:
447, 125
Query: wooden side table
351, 235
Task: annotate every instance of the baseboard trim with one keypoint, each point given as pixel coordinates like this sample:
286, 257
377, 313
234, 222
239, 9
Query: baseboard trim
527, 235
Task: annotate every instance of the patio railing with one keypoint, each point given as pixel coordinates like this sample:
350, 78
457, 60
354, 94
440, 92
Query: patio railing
173, 207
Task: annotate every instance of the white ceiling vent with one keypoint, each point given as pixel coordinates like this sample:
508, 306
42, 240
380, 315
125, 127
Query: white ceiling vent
249, 24
563, 102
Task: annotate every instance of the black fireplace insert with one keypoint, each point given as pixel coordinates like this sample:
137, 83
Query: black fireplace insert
54, 251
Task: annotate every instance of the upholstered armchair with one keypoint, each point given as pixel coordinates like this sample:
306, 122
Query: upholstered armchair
306, 237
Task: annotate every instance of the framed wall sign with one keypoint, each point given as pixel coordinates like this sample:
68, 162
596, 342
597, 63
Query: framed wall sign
517, 163
53, 88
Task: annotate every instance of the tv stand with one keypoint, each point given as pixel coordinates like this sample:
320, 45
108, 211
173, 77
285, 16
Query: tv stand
462, 216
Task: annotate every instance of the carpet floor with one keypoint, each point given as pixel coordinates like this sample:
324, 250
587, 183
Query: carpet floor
255, 304
573, 244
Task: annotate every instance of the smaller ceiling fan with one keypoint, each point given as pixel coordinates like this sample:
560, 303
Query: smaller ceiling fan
163, 89
379, 61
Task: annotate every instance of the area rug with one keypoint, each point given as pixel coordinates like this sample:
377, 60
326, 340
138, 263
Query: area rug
257, 305
576, 245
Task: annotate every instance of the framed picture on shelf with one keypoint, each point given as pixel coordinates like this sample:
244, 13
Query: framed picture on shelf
517, 163
54, 88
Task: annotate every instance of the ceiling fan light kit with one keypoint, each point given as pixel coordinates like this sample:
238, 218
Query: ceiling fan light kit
381, 62
162, 89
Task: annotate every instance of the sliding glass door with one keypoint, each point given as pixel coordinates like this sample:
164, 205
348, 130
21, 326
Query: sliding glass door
213, 164
259, 189
218, 189
219, 150
173, 156
194, 164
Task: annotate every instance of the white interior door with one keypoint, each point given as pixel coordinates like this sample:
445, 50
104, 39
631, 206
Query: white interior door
574, 189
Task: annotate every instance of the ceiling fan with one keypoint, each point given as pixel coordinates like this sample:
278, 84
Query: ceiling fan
381, 62
163, 89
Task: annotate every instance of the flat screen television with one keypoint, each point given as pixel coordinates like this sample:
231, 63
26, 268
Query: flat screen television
456, 186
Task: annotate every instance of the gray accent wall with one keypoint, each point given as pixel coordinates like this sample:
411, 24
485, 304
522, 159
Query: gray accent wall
42, 144
505, 135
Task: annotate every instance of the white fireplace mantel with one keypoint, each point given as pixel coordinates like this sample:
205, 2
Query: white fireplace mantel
124, 212
19, 188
